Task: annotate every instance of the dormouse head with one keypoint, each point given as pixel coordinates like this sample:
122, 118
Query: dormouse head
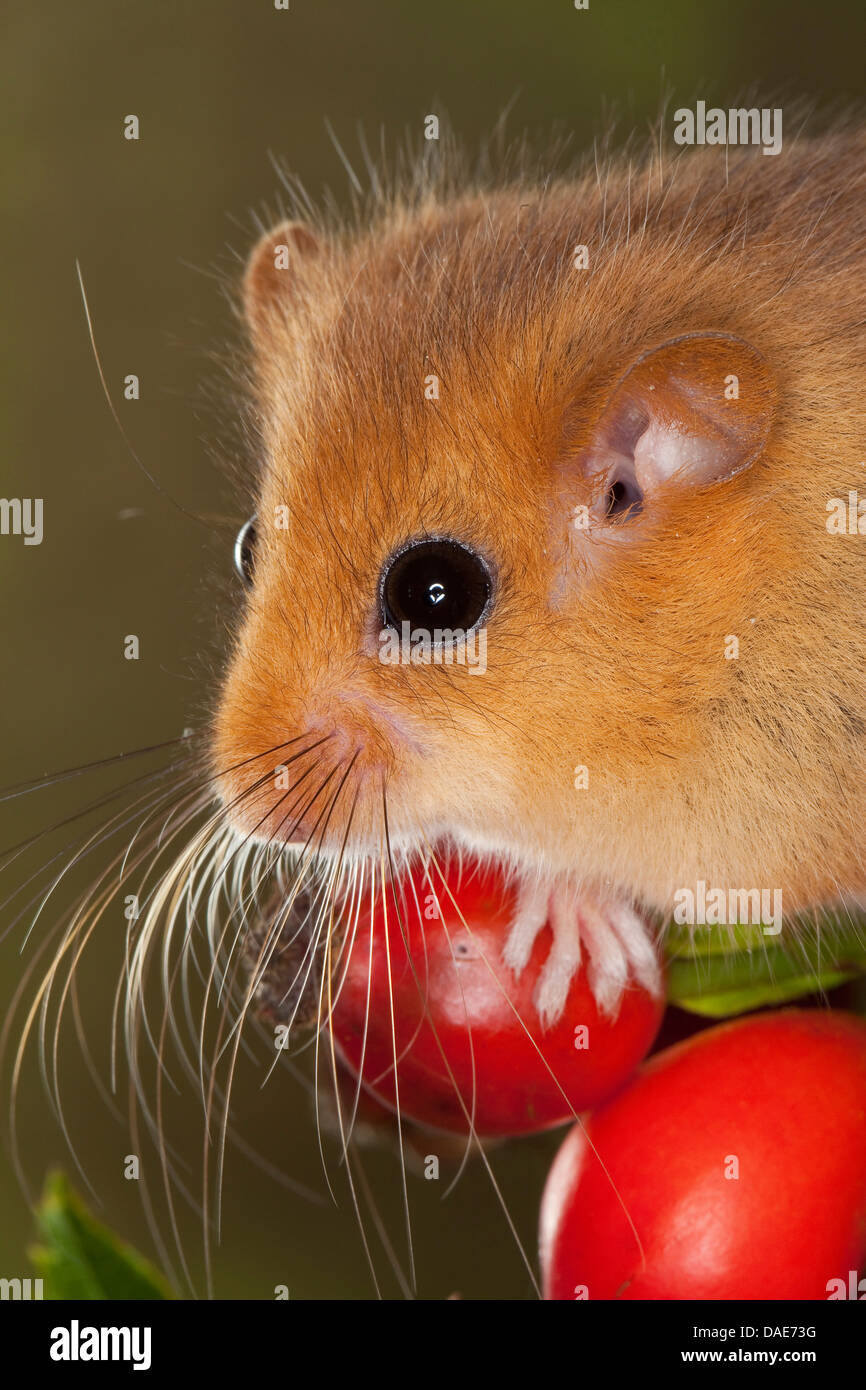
493, 498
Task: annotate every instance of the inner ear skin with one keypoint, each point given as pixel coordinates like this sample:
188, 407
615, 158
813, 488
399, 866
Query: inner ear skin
619, 495
668, 425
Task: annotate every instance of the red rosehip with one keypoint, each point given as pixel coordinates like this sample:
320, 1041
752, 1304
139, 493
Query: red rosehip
467, 1036
740, 1158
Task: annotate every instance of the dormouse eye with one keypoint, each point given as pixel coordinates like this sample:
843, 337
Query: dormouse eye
433, 584
245, 550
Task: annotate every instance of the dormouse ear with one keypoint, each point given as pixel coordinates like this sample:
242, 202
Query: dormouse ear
695, 410
273, 272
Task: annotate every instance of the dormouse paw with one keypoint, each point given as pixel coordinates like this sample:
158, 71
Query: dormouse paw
616, 941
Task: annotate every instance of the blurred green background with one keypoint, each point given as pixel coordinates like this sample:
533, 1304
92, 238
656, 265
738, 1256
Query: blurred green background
219, 86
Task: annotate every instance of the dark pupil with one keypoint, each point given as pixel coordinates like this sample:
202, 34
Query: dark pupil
435, 584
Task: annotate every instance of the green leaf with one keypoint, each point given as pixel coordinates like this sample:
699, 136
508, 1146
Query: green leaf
722, 971
79, 1258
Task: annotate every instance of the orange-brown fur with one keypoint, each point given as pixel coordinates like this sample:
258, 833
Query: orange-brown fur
743, 772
